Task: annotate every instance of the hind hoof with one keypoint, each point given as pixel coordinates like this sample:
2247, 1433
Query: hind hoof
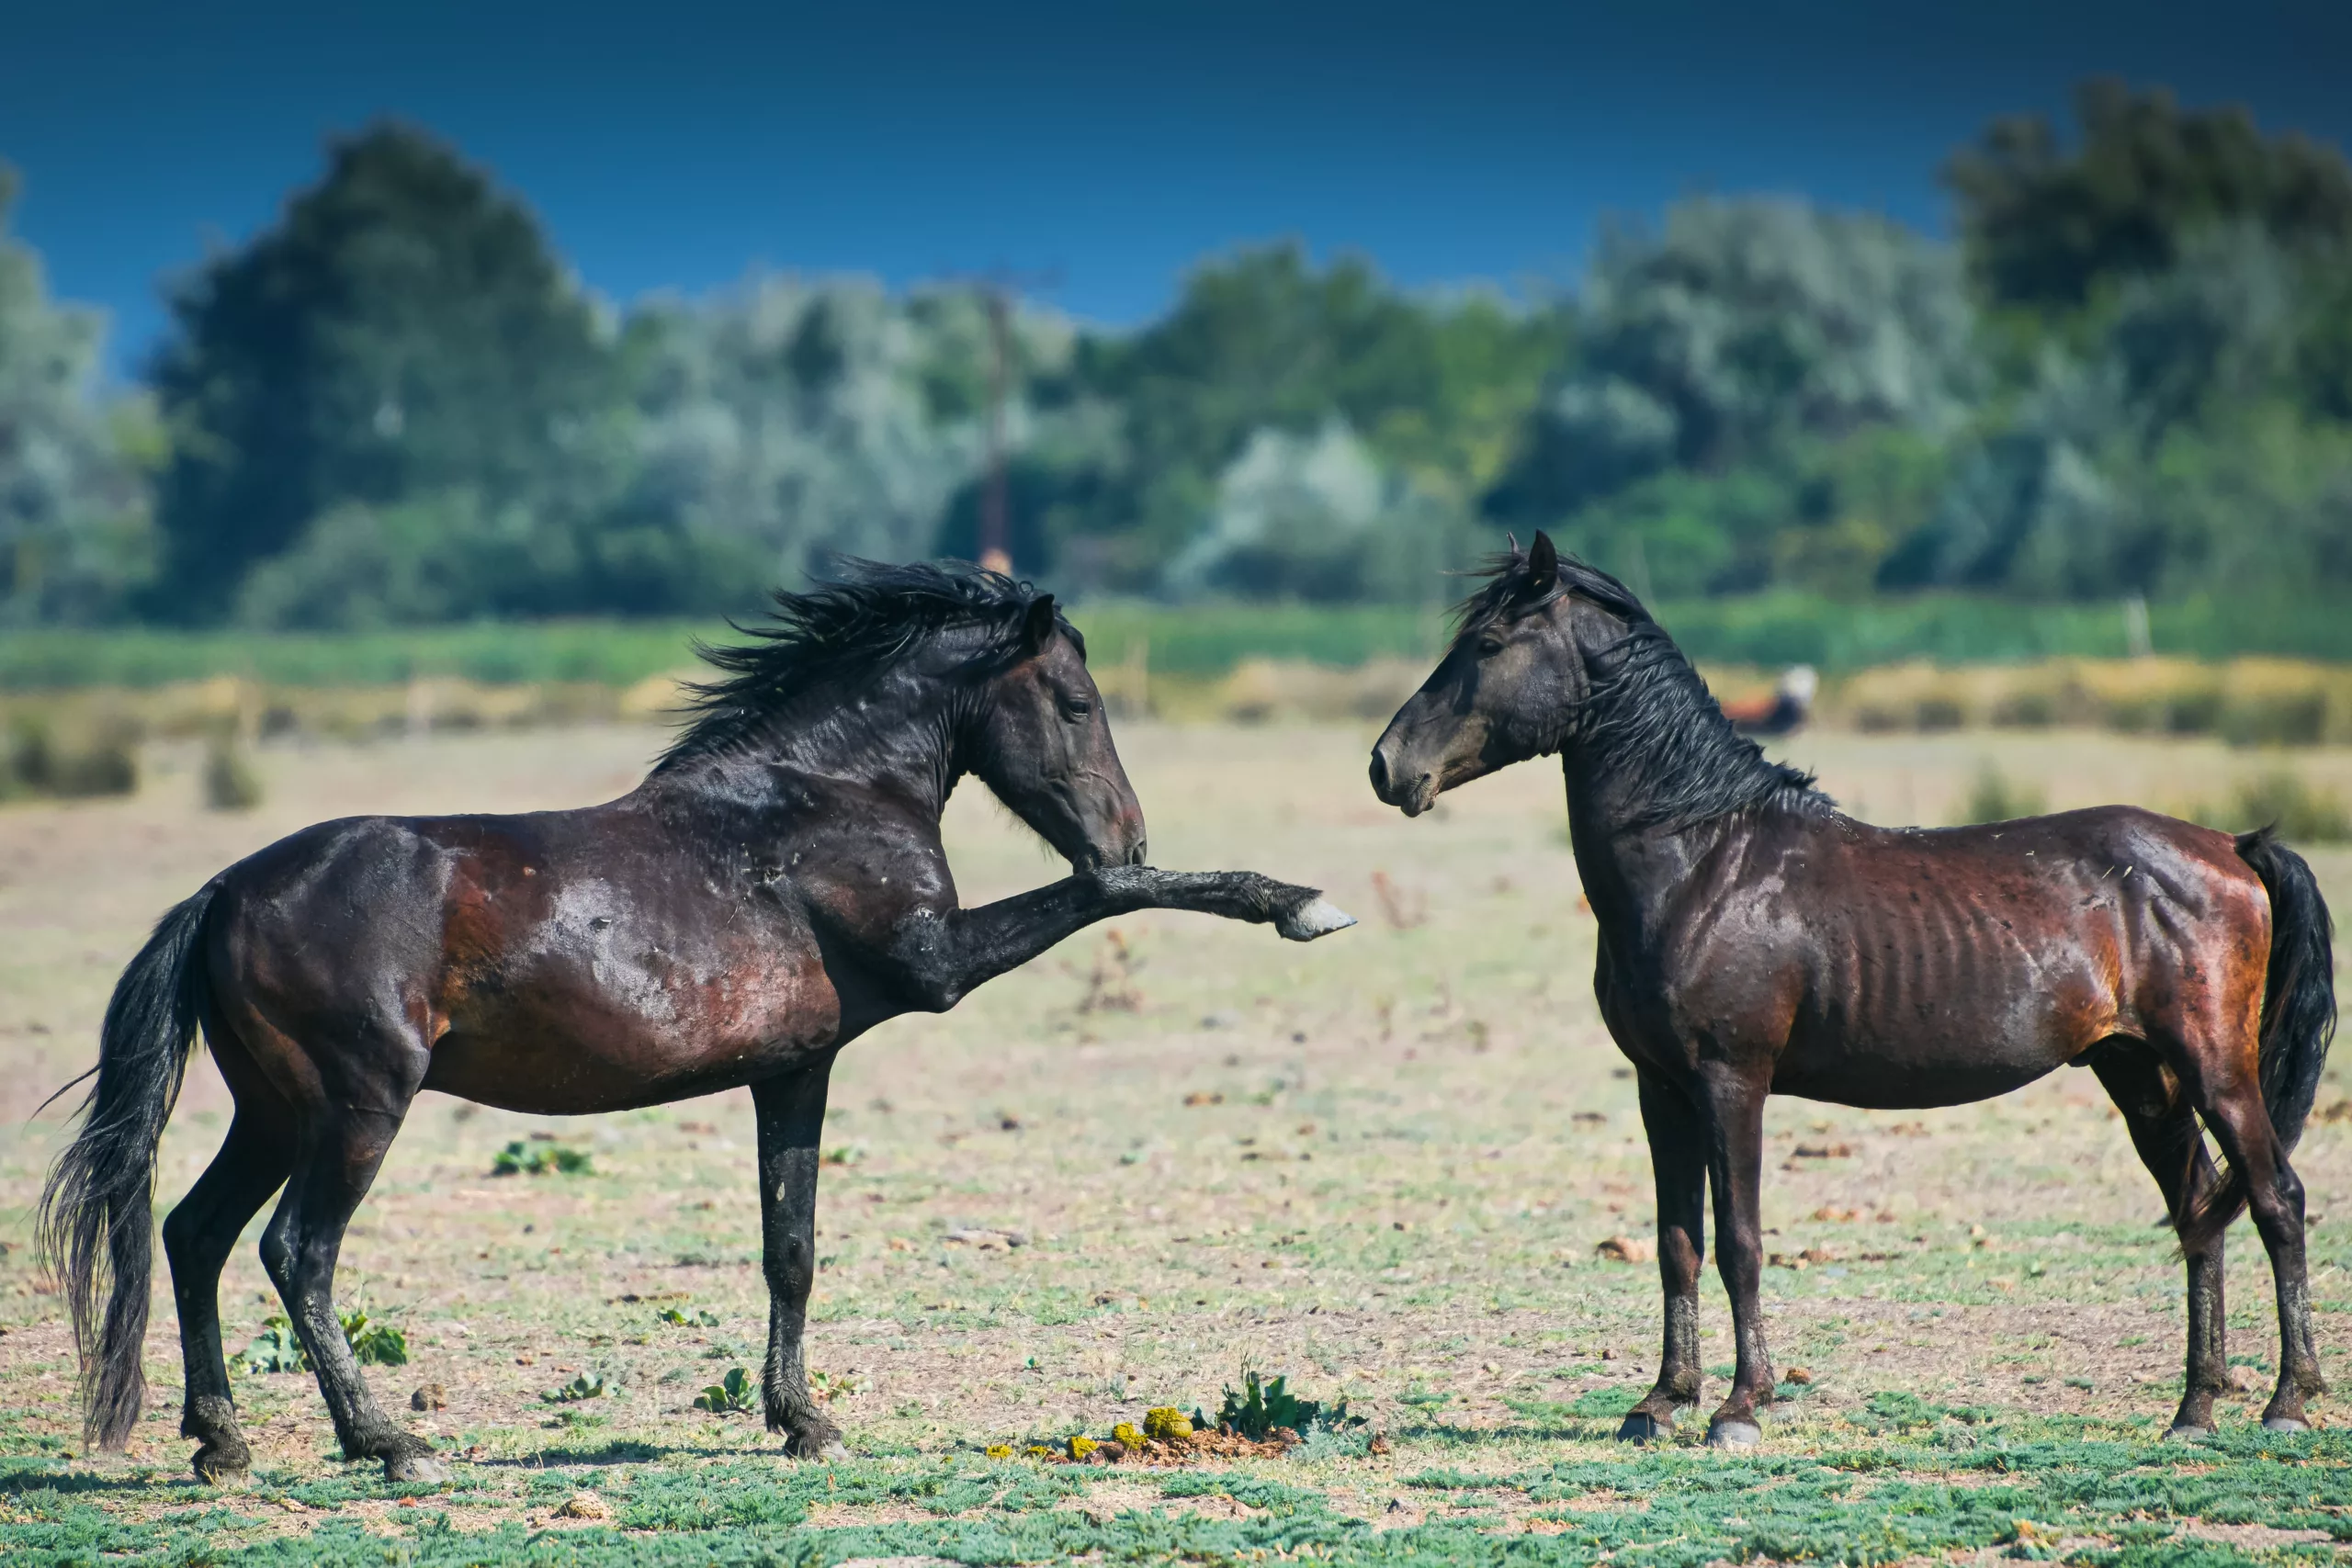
1642, 1427
415, 1469
1734, 1434
2284, 1424
2186, 1434
222, 1470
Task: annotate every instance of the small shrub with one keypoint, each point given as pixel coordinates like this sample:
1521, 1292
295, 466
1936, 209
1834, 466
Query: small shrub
2302, 812
36, 762
519, 1159
1264, 1404
733, 1394
1995, 798
229, 781
678, 1317
585, 1386
277, 1348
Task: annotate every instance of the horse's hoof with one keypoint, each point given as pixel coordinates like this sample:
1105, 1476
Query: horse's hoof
1642, 1427
215, 1470
415, 1469
1316, 917
833, 1451
2284, 1424
2187, 1434
1734, 1434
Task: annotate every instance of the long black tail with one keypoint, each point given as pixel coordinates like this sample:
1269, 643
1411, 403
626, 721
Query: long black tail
2299, 999
97, 1209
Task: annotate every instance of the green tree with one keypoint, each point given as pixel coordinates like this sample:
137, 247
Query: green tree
2045, 224
1737, 336
74, 532
402, 330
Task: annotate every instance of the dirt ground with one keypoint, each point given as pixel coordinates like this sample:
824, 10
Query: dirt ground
1382, 1165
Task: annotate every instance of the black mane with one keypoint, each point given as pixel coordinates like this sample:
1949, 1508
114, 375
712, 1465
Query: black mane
865, 618
1649, 711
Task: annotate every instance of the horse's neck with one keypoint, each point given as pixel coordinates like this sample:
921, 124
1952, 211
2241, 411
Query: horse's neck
1630, 873
909, 757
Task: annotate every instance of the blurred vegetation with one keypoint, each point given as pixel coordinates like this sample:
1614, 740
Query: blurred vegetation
1808, 435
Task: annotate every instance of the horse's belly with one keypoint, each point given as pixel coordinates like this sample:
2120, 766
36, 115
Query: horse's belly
572, 1050
1905, 1081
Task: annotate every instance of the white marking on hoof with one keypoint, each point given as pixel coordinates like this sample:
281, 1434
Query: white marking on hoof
2284, 1424
1316, 917
1735, 1435
2184, 1434
836, 1449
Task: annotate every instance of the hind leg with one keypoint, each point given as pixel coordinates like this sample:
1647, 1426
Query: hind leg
198, 1235
1678, 1167
2165, 1134
332, 1174
2275, 1194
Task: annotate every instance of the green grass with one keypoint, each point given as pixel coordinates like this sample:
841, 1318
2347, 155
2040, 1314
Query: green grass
1194, 640
1900, 1479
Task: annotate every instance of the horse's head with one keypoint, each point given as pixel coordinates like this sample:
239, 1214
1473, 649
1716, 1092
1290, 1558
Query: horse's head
1041, 741
1513, 684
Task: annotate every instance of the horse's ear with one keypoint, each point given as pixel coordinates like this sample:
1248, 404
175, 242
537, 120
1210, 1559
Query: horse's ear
1542, 565
1037, 625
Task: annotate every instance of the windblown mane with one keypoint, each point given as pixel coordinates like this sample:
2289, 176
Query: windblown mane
862, 619
1649, 710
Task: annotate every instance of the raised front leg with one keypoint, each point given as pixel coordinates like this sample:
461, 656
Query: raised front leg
1679, 1165
791, 1109
1735, 1113
945, 956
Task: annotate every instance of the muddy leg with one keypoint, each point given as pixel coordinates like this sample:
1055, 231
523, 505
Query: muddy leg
1679, 1165
1735, 1113
2173, 1148
198, 1235
792, 1116
331, 1176
2275, 1194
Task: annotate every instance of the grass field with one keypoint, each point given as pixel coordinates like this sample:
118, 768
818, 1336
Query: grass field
1383, 1165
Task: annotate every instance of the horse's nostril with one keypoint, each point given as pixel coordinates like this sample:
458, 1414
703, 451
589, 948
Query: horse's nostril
1380, 775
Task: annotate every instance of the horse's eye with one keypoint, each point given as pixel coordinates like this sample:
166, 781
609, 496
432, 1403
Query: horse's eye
1488, 647
1076, 708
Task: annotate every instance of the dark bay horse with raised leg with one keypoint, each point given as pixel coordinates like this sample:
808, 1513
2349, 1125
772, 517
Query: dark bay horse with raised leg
774, 889
1756, 941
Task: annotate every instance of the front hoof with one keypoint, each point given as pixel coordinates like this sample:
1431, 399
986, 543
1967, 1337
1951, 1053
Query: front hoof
1642, 1427
1732, 1433
2185, 1433
2284, 1424
415, 1469
1315, 917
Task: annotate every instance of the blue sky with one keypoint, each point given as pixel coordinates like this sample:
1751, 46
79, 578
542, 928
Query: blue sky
678, 145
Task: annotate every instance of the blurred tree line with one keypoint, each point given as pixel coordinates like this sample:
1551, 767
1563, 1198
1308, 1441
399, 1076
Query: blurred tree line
2131, 373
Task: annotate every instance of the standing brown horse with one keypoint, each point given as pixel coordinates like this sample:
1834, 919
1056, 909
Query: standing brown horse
1755, 941
774, 889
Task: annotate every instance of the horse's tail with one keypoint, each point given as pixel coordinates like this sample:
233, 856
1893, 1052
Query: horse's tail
2298, 1011
96, 1219
2299, 996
